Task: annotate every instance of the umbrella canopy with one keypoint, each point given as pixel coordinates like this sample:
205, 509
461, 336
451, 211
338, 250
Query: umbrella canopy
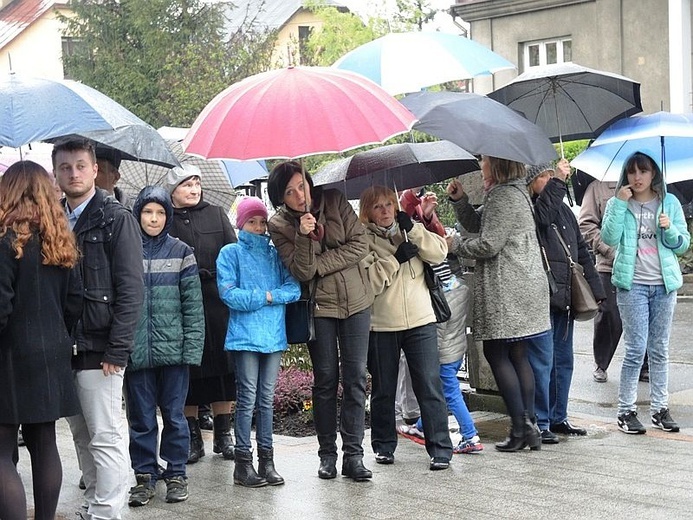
37, 109
666, 137
136, 143
216, 187
294, 112
242, 172
407, 62
569, 101
480, 125
402, 165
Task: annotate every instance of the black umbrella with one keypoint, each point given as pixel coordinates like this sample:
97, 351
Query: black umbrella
404, 165
569, 101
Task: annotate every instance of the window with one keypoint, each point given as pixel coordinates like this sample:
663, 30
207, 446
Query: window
547, 52
69, 49
303, 35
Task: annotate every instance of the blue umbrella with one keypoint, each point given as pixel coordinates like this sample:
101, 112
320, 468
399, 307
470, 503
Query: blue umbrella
666, 137
37, 109
241, 172
407, 62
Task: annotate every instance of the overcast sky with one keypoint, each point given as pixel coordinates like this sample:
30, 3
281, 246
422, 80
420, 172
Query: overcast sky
384, 8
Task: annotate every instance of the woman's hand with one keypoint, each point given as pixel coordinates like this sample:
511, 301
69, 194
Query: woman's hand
625, 193
428, 204
307, 224
664, 221
562, 170
455, 190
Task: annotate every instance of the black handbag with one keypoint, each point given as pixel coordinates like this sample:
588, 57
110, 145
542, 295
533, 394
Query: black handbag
300, 327
438, 300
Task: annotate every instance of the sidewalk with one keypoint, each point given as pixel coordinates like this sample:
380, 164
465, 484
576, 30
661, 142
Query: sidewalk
603, 474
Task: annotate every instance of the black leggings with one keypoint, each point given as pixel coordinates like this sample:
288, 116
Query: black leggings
46, 471
513, 375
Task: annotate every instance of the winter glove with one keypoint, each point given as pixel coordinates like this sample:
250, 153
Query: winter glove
406, 251
404, 221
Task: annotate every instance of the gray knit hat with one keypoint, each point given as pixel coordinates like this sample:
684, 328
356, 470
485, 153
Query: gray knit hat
533, 171
180, 174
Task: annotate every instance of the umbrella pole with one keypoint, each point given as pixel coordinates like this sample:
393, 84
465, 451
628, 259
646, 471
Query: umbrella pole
305, 184
399, 208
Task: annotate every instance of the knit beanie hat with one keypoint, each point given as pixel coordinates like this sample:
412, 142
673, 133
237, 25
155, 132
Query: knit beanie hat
248, 208
180, 174
534, 171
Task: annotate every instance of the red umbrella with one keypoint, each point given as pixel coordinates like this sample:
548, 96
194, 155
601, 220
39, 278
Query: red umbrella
294, 112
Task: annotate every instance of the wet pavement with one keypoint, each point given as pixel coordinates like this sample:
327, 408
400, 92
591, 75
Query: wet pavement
606, 473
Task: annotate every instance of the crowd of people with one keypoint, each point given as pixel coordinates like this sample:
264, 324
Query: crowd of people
163, 305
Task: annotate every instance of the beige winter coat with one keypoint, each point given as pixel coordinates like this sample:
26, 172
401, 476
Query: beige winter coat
591, 214
402, 300
334, 264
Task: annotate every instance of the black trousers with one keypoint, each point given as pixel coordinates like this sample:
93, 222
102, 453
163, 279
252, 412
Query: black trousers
420, 346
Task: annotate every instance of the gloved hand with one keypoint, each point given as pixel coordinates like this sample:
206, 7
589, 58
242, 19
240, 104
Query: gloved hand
406, 251
404, 221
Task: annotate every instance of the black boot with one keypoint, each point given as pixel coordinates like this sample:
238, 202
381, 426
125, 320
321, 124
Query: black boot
266, 469
197, 445
516, 438
532, 434
223, 442
244, 473
353, 468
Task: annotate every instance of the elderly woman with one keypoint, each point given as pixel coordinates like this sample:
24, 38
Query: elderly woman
402, 320
511, 292
551, 355
206, 228
321, 241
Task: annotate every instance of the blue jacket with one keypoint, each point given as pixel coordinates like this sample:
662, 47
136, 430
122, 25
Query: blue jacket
620, 230
246, 271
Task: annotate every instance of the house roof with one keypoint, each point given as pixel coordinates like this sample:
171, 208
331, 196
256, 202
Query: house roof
20, 14
267, 14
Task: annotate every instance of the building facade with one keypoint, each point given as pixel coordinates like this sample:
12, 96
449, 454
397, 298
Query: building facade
648, 41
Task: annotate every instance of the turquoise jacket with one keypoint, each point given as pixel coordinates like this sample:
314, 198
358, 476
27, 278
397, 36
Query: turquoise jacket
246, 271
620, 230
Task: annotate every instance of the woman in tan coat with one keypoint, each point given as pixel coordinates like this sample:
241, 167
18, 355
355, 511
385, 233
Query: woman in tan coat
321, 241
402, 320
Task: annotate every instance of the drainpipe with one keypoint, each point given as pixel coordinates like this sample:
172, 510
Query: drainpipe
680, 78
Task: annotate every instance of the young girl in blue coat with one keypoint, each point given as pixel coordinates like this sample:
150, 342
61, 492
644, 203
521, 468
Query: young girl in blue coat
255, 285
647, 227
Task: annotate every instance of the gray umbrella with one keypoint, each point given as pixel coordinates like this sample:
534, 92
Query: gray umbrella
216, 187
136, 143
570, 101
402, 165
480, 125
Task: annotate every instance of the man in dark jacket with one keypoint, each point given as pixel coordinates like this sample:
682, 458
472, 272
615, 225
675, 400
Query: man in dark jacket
109, 238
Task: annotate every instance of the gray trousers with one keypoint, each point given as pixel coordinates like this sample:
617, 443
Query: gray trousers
101, 443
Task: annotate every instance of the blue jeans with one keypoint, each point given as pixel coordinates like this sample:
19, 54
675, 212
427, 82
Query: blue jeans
328, 356
167, 388
562, 370
647, 312
420, 346
540, 356
454, 400
256, 376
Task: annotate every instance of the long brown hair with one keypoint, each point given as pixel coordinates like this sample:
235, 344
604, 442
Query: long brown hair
28, 204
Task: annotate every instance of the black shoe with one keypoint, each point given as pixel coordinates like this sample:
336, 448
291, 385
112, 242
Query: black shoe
548, 437
81, 484
353, 468
662, 420
629, 423
644, 376
438, 463
385, 457
327, 469
566, 428
410, 422
176, 489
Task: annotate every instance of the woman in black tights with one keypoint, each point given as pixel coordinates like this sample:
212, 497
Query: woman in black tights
511, 294
40, 301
